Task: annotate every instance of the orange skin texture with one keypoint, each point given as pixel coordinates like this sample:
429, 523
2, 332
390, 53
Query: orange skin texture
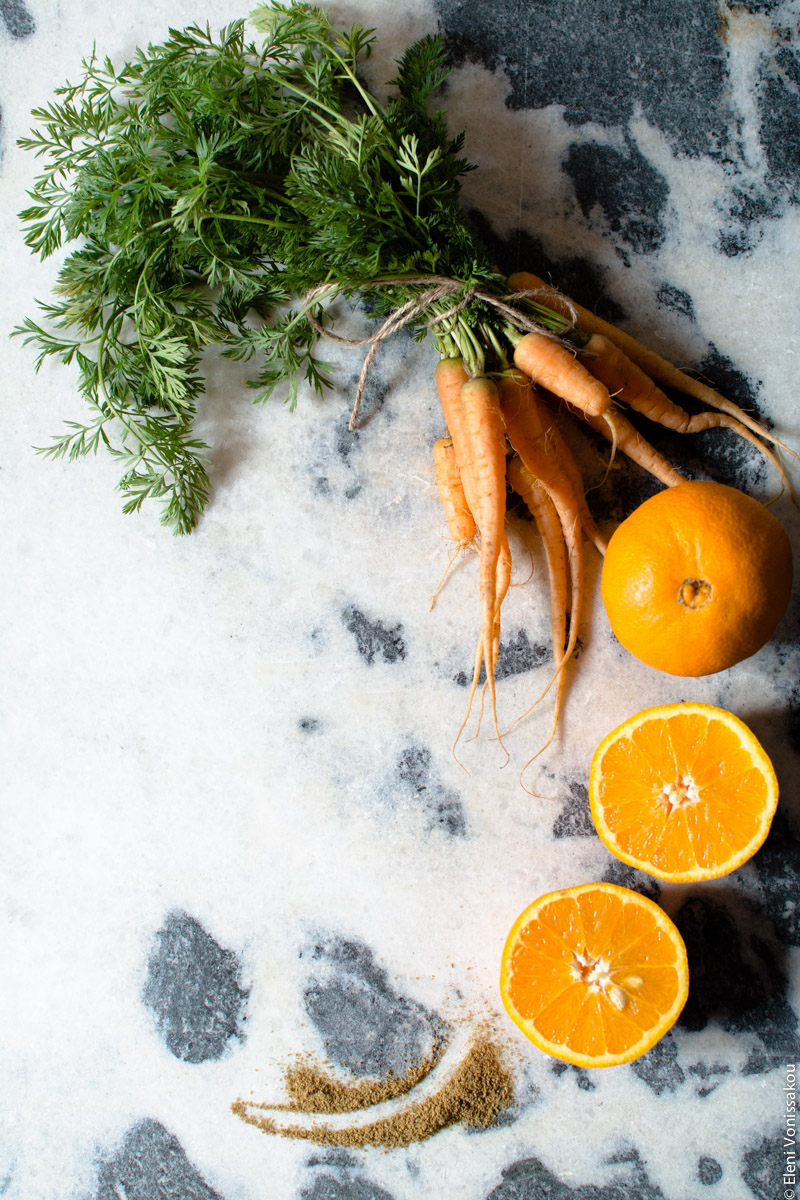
697, 579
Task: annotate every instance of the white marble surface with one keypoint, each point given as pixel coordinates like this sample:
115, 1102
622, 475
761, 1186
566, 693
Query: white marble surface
189, 727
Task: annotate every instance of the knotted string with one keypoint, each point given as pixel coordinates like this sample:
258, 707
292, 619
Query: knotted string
439, 289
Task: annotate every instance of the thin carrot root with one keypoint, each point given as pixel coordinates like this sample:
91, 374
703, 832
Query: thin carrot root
556, 445
628, 382
503, 583
526, 427
624, 436
472, 411
460, 521
548, 524
659, 369
443, 578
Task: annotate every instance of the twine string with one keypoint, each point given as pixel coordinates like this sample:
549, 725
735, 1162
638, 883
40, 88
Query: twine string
440, 287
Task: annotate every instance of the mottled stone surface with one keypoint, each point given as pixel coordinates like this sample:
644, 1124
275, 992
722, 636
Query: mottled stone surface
194, 990
241, 828
150, 1164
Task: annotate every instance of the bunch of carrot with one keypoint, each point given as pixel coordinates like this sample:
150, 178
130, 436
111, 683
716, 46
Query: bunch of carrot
502, 430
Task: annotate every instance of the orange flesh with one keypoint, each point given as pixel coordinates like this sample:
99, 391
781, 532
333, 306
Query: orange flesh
682, 793
551, 974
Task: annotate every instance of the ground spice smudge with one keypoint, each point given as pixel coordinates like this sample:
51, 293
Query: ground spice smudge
475, 1094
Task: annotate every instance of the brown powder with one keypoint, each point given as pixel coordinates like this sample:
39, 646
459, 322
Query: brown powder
313, 1090
477, 1091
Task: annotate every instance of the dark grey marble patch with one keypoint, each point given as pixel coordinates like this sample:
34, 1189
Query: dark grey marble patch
708, 1076
745, 213
559, 54
336, 1157
522, 251
575, 818
18, 21
376, 389
516, 655
755, 6
418, 778
723, 374
629, 877
777, 866
582, 1077
552, 58
373, 638
659, 1068
151, 1164
763, 1166
709, 1171
737, 976
194, 990
530, 1179
778, 98
309, 725
334, 1187
676, 299
366, 1025
625, 187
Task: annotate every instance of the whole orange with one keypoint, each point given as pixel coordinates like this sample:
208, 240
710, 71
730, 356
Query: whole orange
697, 578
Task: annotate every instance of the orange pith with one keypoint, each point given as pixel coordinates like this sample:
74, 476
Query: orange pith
697, 578
594, 974
683, 791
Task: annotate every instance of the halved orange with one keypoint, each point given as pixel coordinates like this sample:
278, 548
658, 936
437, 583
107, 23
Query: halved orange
594, 975
683, 791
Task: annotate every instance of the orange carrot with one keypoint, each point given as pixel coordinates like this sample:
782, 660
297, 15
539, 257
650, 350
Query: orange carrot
472, 413
626, 381
502, 585
451, 493
460, 521
528, 418
625, 437
555, 444
554, 366
526, 428
658, 368
548, 524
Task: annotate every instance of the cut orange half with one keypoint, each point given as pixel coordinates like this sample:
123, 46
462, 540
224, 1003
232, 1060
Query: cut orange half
684, 792
594, 975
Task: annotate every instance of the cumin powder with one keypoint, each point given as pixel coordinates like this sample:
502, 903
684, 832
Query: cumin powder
477, 1091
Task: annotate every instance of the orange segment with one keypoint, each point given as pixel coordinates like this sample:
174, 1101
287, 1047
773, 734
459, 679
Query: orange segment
594, 975
683, 791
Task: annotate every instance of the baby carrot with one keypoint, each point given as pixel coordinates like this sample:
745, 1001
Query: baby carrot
553, 365
548, 524
628, 382
658, 368
526, 429
472, 413
460, 521
451, 493
625, 437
